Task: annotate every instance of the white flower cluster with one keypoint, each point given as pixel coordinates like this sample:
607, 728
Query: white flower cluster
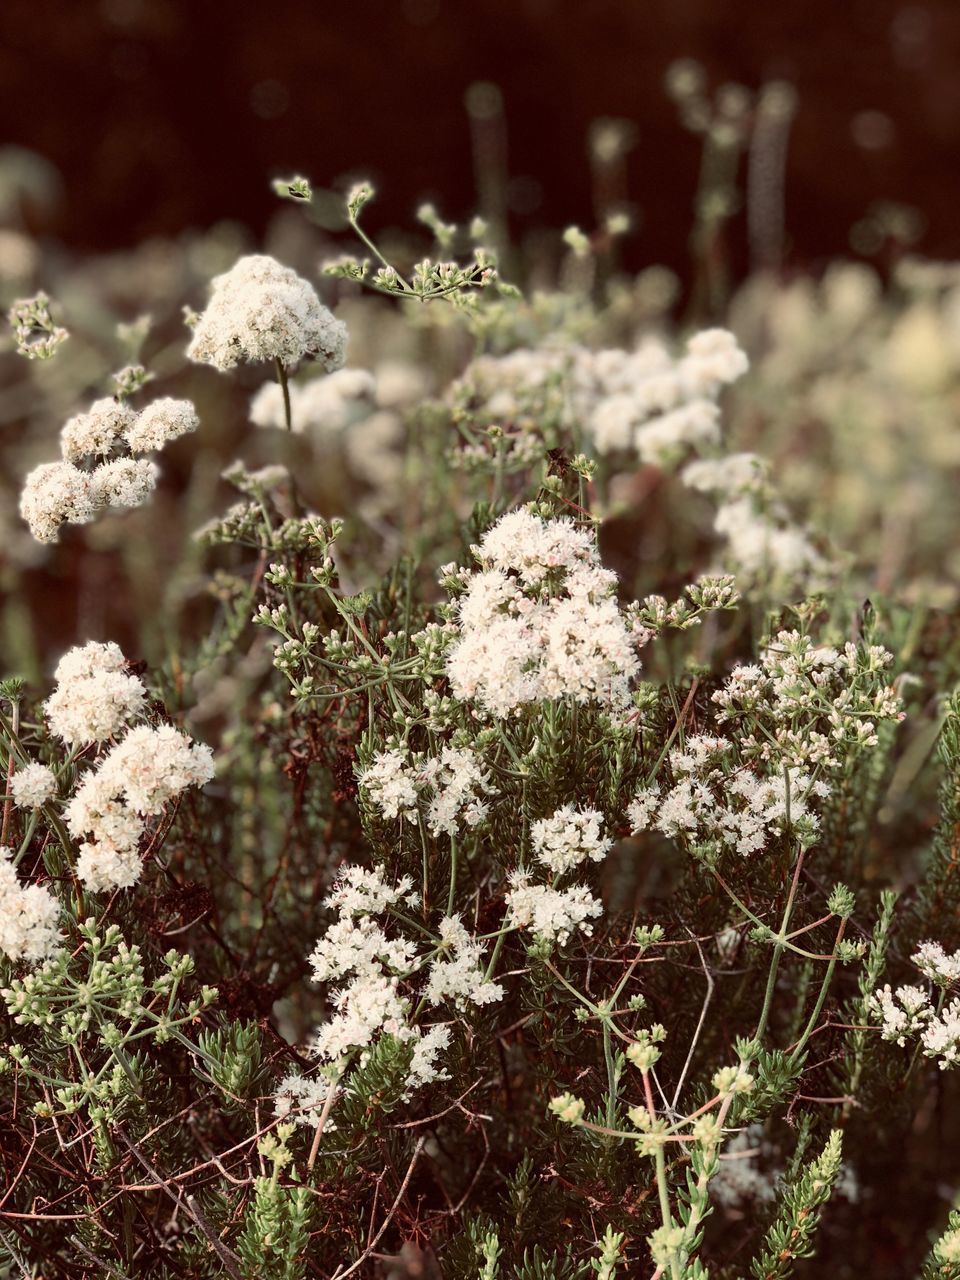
936, 964
909, 1010
761, 539
28, 916
452, 785
95, 695
33, 785
262, 310
551, 915
539, 620
815, 701
568, 838
643, 400
356, 950
661, 407
148, 768
716, 802
456, 973
58, 493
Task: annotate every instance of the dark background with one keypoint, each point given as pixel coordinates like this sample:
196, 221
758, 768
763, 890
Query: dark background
167, 114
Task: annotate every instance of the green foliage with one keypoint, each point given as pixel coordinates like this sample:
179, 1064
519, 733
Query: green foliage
791, 1236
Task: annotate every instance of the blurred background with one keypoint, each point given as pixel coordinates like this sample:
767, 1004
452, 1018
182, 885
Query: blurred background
160, 115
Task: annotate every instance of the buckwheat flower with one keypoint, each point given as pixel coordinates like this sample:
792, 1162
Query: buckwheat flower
90, 659
102, 867
947, 1248
931, 959
901, 1014
98, 810
389, 784
551, 915
426, 1047
262, 310
456, 974
302, 1099
568, 838
659, 441
713, 359
94, 697
359, 891
153, 765
32, 786
760, 545
736, 474
941, 1036
458, 783
359, 946
369, 1005
642, 808
29, 915
161, 421
97, 431
613, 422
124, 482
57, 493
539, 620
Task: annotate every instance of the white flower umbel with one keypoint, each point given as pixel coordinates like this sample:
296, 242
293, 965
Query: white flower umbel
539, 620
389, 783
357, 891
262, 310
133, 782
901, 1013
32, 786
456, 974
941, 968
94, 696
551, 915
28, 916
161, 421
568, 838
456, 782
97, 431
124, 482
941, 1036
54, 494
302, 1099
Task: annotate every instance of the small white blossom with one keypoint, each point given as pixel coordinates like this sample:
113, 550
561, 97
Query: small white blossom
941, 968
94, 697
457, 974
33, 785
57, 493
568, 838
327, 404
551, 915
29, 915
124, 482
161, 421
97, 431
901, 1013
389, 783
642, 808
539, 620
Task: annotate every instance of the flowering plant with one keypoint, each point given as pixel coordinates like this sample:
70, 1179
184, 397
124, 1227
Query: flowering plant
522, 917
